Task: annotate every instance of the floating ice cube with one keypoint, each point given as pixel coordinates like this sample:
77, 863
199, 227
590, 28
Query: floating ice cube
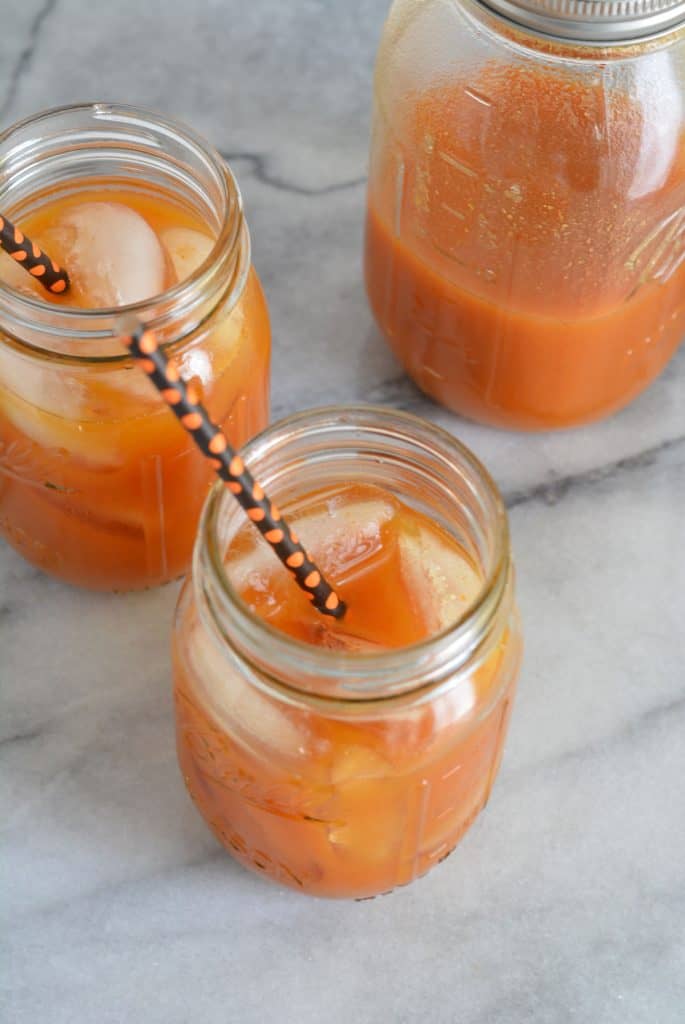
442, 581
112, 254
352, 763
345, 530
453, 706
368, 810
187, 249
59, 407
62, 430
339, 537
240, 706
114, 258
250, 561
34, 397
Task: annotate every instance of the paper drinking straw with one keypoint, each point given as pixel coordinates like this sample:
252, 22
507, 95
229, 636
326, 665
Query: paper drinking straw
210, 439
34, 261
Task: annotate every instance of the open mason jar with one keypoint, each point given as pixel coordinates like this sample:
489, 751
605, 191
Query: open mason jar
525, 242
99, 484
336, 772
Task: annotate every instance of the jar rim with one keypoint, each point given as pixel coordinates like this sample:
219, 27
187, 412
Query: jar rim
158, 311
357, 674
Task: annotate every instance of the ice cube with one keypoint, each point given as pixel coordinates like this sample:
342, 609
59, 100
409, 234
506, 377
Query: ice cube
367, 807
65, 434
250, 562
58, 407
440, 578
369, 818
346, 529
112, 254
240, 707
352, 763
187, 249
38, 400
338, 537
454, 706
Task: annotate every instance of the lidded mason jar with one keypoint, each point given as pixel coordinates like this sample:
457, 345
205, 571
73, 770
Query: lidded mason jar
99, 484
525, 242
333, 769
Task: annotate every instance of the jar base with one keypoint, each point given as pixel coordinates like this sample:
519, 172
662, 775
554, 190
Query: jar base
502, 419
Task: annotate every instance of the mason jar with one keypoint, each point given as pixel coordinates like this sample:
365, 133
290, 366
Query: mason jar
339, 773
99, 484
525, 239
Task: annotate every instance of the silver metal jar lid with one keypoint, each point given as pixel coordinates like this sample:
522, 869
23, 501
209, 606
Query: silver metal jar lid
593, 21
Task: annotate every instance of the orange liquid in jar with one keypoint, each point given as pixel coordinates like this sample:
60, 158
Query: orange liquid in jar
330, 800
99, 484
525, 247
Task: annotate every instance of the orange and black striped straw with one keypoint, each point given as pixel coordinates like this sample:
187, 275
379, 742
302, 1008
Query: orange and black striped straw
183, 399
210, 439
32, 258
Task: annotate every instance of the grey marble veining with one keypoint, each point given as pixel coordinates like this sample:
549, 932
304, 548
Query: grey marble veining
566, 902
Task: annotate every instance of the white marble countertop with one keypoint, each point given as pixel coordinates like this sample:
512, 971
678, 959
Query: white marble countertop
566, 902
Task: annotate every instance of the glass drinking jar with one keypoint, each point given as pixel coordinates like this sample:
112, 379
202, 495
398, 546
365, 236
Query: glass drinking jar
99, 484
525, 242
346, 774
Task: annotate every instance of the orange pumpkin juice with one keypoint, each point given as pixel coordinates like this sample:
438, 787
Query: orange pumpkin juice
522, 277
354, 797
99, 484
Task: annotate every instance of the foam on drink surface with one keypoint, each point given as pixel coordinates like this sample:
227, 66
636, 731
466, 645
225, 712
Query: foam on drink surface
403, 576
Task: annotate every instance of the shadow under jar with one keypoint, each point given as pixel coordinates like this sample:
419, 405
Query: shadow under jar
331, 769
525, 240
99, 484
